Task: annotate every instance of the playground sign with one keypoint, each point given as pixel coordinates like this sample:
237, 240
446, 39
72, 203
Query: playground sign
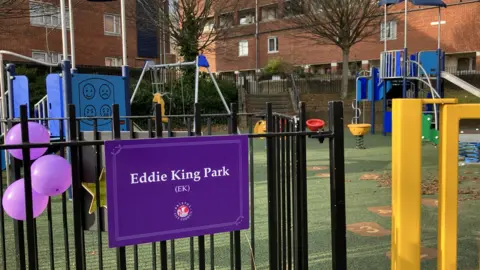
163, 189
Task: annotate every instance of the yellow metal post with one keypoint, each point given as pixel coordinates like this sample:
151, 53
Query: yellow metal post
406, 183
448, 181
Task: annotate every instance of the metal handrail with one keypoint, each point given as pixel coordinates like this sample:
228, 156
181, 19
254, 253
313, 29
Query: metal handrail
29, 58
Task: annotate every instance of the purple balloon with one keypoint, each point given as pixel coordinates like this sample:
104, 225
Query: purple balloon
51, 175
36, 134
14, 201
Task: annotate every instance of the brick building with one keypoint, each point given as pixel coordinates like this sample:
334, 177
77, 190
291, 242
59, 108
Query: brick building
460, 38
34, 30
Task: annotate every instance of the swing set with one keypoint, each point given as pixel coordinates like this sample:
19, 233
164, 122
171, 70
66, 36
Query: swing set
165, 76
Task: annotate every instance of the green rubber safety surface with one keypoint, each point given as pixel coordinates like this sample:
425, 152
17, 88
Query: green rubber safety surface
368, 203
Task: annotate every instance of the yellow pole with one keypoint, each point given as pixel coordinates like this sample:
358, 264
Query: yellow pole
448, 189
448, 181
406, 183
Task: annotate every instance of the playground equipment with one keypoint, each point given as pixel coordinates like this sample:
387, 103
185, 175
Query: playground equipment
158, 99
260, 127
315, 124
162, 79
92, 94
404, 75
407, 180
359, 130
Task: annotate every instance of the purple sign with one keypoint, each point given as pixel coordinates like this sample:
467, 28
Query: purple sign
162, 189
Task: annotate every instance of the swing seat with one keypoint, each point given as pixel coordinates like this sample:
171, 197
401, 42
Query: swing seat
260, 127
158, 99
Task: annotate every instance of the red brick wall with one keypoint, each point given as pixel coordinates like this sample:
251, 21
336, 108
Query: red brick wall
91, 44
459, 34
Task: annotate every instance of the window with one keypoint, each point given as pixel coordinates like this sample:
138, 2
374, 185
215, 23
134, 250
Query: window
113, 61
226, 20
246, 17
273, 45
293, 9
41, 56
209, 25
111, 24
269, 13
391, 31
46, 15
465, 64
51, 57
243, 48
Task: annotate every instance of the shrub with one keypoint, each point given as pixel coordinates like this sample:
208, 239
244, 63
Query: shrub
276, 66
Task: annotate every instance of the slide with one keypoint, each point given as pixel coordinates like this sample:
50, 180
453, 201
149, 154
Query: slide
136, 127
461, 83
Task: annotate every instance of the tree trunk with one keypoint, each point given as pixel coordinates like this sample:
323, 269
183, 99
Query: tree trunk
345, 71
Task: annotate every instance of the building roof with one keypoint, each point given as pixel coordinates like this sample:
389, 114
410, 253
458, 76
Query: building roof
435, 3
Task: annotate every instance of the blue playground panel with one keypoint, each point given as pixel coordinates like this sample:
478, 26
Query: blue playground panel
413, 66
94, 95
387, 122
366, 84
379, 89
362, 88
396, 62
375, 86
55, 103
429, 61
20, 94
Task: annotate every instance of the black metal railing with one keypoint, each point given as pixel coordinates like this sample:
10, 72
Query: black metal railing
286, 158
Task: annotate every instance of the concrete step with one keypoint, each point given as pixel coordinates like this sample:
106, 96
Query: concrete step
266, 99
263, 109
274, 105
264, 102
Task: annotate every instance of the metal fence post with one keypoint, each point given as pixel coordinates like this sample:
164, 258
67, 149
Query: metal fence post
121, 256
27, 178
201, 239
300, 191
273, 246
236, 234
337, 186
77, 192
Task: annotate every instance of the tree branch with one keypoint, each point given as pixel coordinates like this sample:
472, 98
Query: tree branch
186, 21
342, 23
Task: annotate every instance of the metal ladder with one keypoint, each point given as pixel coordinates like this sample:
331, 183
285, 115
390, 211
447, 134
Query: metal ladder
41, 110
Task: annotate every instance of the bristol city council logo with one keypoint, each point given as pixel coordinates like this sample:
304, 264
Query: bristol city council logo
183, 211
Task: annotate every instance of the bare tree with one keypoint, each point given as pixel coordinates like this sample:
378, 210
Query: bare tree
191, 25
13, 14
342, 23
11, 9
